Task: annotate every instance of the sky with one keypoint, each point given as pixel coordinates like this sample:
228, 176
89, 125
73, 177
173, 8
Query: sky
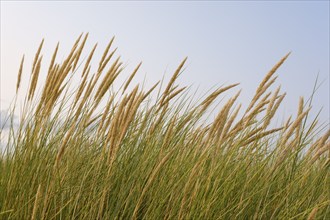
225, 42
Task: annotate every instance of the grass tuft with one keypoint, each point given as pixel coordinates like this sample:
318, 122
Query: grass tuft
96, 152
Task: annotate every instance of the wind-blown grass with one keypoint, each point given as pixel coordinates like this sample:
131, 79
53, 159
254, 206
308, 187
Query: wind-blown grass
96, 153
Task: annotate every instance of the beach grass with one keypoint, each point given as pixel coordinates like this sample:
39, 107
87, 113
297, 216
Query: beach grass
95, 152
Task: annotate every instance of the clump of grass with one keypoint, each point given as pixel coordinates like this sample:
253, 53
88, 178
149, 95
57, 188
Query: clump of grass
92, 152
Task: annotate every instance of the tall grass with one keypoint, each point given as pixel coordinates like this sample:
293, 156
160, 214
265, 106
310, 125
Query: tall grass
93, 152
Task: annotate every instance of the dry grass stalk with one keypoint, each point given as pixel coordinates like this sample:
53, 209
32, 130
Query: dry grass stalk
265, 80
130, 112
230, 122
173, 89
321, 150
51, 79
19, 74
81, 88
131, 77
323, 139
77, 41
271, 112
50, 95
36, 202
294, 125
300, 110
150, 90
287, 123
108, 80
259, 94
83, 101
113, 132
45, 203
52, 62
67, 64
272, 71
268, 84
35, 77
107, 60
273, 99
88, 123
171, 96
80, 49
88, 91
257, 109
209, 100
169, 133
283, 144
105, 53
261, 135
37, 56
60, 77
108, 75
221, 119
128, 119
270, 106
246, 119
89, 59
65, 72
108, 122
106, 86
314, 146
129, 104
112, 118
102, 203
253, 133
277, 104
64, 145
105, 113
160, 118
172, 80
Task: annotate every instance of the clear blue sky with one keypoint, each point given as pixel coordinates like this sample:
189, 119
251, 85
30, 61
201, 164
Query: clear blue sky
226, 42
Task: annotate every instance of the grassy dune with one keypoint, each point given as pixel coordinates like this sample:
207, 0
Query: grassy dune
93, 152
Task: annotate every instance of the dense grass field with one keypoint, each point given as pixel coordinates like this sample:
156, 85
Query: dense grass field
95, 152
